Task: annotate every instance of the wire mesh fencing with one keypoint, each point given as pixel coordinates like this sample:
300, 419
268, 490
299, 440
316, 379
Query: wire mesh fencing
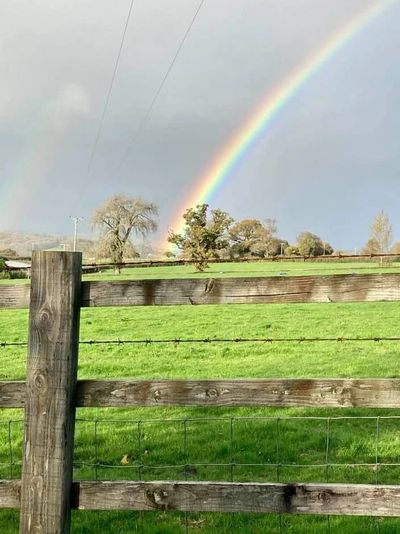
353, 449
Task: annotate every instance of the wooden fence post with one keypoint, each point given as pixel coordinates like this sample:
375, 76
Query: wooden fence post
51, 385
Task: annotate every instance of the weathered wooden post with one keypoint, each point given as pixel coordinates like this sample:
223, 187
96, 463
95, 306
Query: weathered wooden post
51, 384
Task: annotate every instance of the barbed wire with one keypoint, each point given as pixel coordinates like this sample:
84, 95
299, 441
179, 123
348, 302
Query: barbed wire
207, 340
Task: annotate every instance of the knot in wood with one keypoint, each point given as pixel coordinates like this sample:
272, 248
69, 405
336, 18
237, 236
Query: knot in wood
212, 393
44, 318
324, 497
159, 497
157, 395
40, 381
209, 286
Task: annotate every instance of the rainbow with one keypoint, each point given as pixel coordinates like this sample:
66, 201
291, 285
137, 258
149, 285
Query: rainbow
215, 176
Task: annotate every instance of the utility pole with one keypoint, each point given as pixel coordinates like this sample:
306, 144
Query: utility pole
76, 222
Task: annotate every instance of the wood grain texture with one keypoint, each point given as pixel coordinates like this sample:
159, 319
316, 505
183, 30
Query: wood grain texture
12, 394
321, 499
328, 393
50, 392
14, 296
10, 494
332, 393
302, 499
291, 289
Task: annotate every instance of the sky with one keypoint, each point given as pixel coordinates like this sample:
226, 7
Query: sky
328, 163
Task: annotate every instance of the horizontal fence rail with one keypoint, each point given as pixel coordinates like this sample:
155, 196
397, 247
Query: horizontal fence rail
270, 498
334, 288
329, 393
257, 290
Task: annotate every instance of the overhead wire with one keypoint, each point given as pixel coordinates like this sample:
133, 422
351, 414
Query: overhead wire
109, 92
160, 87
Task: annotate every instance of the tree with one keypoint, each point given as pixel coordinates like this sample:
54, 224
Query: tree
381, 233
244, 236
120, 217
311, 245
371, 247
268, 244
292, 250
203, 238
255, 238
395, 248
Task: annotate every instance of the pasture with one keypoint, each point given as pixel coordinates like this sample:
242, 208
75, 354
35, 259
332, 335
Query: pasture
230, 444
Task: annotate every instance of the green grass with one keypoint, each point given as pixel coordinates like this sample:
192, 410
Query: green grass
275, 268
240, 444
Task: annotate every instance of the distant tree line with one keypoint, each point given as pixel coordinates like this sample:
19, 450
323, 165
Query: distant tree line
214, 234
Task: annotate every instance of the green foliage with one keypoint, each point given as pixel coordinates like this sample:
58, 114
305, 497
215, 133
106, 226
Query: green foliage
311, 245
292, 250
18, 275
4, 272
245, 237
203, 238
251, 237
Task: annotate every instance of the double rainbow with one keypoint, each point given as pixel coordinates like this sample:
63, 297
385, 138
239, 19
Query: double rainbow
215, 176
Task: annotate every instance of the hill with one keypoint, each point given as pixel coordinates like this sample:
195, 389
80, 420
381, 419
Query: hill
24, 243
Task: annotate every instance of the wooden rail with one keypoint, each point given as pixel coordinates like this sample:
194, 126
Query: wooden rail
265, 290
322, 393
319, 499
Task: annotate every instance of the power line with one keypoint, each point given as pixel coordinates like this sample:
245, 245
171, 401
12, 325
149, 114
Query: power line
107, 101
160, 87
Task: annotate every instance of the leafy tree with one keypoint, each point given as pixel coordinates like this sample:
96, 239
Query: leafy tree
311, 245
275, 246
268, 243
4, 272
381, 233
292, 250
203, 238
254, 237
244, 236
119, 218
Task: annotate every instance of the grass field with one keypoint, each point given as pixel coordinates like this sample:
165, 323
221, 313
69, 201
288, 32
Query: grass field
240, 444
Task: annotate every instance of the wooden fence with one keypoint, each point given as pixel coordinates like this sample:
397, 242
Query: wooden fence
46, 493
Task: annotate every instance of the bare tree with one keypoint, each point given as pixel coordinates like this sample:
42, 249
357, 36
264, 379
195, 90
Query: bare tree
381, 233
117, 219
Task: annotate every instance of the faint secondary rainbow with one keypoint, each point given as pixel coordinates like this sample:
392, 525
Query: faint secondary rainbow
30, 173
214, 177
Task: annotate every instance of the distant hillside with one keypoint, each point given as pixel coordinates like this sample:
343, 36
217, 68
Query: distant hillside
23, 243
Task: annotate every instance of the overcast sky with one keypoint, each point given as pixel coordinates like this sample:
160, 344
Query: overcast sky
328, 163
